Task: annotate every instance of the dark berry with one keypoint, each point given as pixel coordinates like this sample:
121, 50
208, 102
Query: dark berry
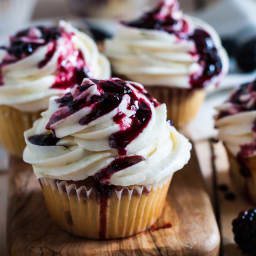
244, 228
246, 56
230, 45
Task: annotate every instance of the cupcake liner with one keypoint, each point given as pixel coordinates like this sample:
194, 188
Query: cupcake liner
182, 104
83, 211
13, 124
244, 176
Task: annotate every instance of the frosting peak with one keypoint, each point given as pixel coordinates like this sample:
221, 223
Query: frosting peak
242, 99
130, 104
112, 130
166, 48
42, 61
25, 42
166, 16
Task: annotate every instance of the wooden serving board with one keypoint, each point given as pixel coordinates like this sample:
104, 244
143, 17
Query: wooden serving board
193, 228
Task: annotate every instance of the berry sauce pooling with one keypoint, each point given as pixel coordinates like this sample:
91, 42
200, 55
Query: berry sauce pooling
71, 66
163, 18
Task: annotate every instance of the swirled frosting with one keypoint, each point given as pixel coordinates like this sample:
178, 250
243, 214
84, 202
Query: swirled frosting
236, 121
112, 130
166, 48
40, 62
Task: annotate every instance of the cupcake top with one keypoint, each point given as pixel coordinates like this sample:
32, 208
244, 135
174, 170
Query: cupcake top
39, 62
112, 130
166, 48
236, 121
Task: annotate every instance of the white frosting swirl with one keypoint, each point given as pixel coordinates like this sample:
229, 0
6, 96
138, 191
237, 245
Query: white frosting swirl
236, 130
157, 58
85, 150
27, 87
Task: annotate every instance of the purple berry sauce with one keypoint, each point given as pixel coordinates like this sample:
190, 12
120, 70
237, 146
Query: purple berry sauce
105, 189
118, 164
26, 42
44, 140
111, 95
242, 99
162, 18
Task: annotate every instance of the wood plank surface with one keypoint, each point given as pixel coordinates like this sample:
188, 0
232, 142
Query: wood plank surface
194, 230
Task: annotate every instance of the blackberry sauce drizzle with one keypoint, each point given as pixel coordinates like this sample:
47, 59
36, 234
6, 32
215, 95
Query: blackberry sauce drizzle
71, 65
242, 99
26, 42
111, 93
162, 18
105, 189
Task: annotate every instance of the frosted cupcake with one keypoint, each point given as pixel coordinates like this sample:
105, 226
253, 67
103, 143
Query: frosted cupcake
236, 123
36, 64
105, 155
175, 56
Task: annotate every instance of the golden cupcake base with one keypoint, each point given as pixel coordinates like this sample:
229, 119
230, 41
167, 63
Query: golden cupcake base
245, 181
84, 212
13, 124
182, 104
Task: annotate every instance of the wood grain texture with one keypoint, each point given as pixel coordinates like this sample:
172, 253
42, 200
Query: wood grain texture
228, 209
194, 230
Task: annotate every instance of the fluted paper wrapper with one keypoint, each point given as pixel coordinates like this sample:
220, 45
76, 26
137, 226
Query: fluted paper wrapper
182, 104
84, 212
13, 124
244, 180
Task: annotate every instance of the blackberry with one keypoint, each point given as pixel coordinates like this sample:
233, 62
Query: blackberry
244, 228
246, 56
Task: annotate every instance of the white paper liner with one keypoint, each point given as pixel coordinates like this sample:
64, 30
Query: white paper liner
64, 187
125, 212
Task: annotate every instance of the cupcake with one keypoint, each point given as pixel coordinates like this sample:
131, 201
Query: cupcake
175, 56
105, 155
36, 64
236, 123
110, 9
